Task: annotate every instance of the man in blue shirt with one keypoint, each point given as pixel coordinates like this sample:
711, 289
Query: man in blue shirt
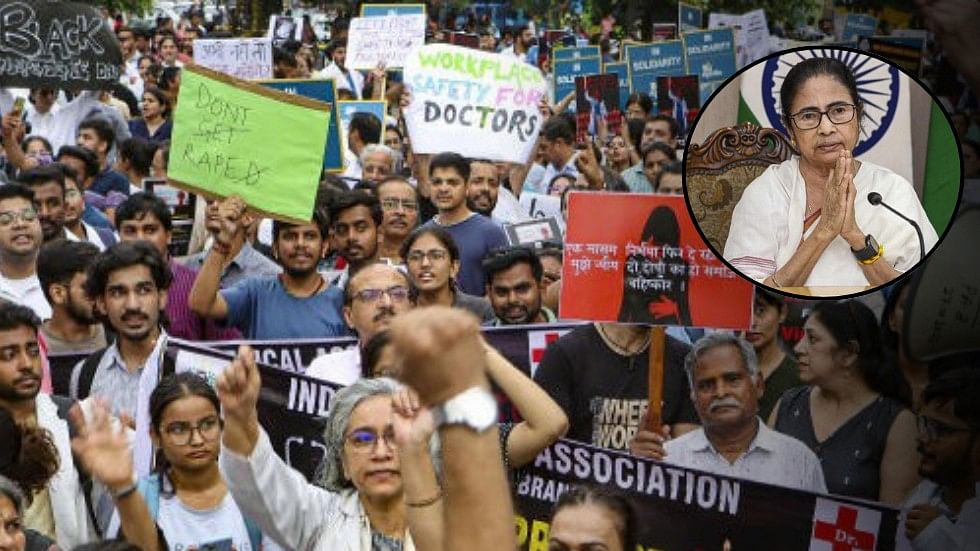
295, 304
97, 135
475, 235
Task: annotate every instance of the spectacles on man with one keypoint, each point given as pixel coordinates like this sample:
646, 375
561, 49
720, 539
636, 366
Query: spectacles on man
398, 293
433, 255
808, 119
181, 433
392, 204
364, 440
934, 429
8, 217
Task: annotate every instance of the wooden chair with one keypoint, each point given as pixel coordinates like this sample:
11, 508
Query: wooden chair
718, 171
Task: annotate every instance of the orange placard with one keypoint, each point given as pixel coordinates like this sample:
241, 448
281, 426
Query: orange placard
637, 258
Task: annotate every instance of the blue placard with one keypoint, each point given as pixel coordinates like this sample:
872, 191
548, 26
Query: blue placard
688, 17
646, 62
567, 70
711, 56
348, 108
586, 52
371, 10
323, 90
857, 26
621, 70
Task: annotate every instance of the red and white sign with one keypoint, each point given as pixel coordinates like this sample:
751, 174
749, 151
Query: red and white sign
537, 342
843, 527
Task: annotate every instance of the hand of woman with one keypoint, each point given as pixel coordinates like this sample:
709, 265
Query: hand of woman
413, 423
850, 230
102, 448
835, 196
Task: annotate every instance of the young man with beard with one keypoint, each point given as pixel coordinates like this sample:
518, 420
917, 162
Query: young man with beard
345, 78
939, 512
78, 229
474, 234
297, 303
48, 184
86, 167
61, 268
128, 283
97, 135
482, 187
400, 207
60, 510
20, 241
372, 298
726, 386
356, 217
514, 286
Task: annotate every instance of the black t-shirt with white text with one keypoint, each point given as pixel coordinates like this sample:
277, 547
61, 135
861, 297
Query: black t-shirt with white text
604, 394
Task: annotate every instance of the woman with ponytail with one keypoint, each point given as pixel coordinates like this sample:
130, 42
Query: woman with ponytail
849, 413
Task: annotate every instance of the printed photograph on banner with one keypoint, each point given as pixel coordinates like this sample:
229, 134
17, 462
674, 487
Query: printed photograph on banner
466, 40
596, 103
664, 31
621, 71
567, 70
679, 97
283, 28
637, 258
751, 183
533, 231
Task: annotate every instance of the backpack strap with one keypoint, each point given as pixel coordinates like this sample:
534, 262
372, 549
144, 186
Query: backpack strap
89, 366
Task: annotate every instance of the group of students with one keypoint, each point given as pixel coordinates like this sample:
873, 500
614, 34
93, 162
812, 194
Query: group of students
421, 464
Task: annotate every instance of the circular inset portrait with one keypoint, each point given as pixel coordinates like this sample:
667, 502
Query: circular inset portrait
822, 172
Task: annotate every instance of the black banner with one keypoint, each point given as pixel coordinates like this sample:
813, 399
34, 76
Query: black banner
56, 45
684, 509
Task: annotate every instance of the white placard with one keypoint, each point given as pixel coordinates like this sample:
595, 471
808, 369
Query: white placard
384, 39
478, 104
539, 205
244, 58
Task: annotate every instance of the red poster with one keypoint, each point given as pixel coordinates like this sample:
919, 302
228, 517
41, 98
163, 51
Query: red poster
637, 258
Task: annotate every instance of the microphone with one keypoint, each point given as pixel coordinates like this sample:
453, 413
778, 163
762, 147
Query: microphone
875, 199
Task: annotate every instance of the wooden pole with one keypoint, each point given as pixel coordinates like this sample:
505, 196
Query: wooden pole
655, 381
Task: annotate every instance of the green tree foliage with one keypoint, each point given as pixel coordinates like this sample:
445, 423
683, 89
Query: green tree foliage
137, 7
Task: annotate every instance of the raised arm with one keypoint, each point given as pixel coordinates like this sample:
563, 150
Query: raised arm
544, 420
205, 300
423, 496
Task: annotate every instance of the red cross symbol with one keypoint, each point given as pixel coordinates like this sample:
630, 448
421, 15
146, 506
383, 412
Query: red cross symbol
538, 353
843, 534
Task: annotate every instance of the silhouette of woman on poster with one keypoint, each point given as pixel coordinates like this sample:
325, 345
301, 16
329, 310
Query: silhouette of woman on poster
655, 278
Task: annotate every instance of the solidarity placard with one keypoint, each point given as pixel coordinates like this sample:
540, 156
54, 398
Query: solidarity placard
245, 58
646, 62
384, 40
474, 103
56, 45
710, 56
220, 146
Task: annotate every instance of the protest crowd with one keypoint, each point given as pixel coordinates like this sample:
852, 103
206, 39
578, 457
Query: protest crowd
411, 359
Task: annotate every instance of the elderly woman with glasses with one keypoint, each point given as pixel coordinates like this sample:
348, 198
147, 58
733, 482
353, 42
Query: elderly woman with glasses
808, 221
848, 412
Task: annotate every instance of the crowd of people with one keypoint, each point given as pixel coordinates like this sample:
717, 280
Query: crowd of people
406, 254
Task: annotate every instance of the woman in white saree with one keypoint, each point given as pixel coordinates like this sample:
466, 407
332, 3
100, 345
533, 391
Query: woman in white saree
808, 220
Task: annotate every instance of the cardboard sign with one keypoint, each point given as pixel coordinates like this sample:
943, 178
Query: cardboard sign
637, 258
533, 231
751, 34
323, 90
683, 508
182, 207
565, 72
475, 103
223, 128
596, 100
688, 17
711, 56
376, 10
648, 61
348, 108
622, 72
585, 52
244, 58
680, 98
387, 40
857, 26
56, 45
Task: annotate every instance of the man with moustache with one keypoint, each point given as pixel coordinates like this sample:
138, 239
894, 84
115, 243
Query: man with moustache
400, 207
939, 512
725, 387
514, 286
482, 187
66, 518
61, 268
20, 241
48, 184
372, 298
356, 216
298, 303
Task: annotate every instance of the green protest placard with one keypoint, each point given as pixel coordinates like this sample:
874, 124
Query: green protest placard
233, 137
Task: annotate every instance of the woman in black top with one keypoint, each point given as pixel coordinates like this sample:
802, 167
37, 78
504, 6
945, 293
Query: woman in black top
865, 439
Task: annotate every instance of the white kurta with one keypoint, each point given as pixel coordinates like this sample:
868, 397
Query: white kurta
767, 225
